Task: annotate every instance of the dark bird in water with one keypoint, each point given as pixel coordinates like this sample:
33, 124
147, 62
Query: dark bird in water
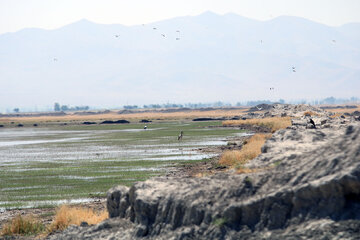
312, 122
180, 136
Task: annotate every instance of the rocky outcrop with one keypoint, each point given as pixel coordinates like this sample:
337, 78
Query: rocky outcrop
304, 185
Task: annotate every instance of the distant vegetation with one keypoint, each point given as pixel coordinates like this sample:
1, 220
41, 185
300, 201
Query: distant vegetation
64, 108
326, 101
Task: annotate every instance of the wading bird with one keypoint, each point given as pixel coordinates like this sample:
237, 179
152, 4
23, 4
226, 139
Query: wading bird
180, 136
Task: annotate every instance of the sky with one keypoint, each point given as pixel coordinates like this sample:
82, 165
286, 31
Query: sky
49, 14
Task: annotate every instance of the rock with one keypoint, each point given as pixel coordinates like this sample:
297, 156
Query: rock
260, 107
356, 113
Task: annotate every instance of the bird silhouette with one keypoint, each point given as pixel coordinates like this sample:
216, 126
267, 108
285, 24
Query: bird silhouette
312, 122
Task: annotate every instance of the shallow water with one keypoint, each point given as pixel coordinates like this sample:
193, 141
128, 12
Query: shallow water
72, 164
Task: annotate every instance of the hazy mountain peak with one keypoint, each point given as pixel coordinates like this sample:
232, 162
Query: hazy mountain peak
202, 58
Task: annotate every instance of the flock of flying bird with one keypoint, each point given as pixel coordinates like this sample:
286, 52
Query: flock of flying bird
154, 28
178, 38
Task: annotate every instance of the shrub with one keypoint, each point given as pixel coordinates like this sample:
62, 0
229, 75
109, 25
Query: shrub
67, 215
249, 151
23, 226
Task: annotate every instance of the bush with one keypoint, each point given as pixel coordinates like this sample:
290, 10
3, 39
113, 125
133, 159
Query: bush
249, 151
66, 215
23, 226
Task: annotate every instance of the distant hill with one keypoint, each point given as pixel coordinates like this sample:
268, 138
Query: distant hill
201, 58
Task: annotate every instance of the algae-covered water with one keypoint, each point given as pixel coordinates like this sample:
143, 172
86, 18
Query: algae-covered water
47, 166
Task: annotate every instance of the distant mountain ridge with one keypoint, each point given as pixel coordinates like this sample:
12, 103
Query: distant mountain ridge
202, 58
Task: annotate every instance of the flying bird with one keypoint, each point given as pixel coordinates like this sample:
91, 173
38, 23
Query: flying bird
154, 28
177, 38
293, 69
117, 36
55, 59
163, 35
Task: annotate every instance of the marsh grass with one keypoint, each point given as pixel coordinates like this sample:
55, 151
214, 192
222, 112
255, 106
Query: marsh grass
44, 174
68, 215
274, 123
23, 226
237, 158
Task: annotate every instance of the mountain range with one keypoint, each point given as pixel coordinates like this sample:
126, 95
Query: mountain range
202, 58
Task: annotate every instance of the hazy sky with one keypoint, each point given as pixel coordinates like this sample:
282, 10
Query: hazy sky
49, 14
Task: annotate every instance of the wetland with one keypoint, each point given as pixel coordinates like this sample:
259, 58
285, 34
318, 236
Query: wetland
56, 164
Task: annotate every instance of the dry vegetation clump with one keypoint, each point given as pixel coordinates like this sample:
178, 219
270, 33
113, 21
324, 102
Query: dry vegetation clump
274, 123
250, 150
23, 226
335, 115
67, 215
310, 113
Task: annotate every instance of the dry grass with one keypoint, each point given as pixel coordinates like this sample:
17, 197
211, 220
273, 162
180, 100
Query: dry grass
249, 151
274, 123
310, 113
344, 110
67, 215
23, 226
113, 115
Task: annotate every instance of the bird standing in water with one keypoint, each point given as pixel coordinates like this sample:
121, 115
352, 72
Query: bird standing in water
180, 136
